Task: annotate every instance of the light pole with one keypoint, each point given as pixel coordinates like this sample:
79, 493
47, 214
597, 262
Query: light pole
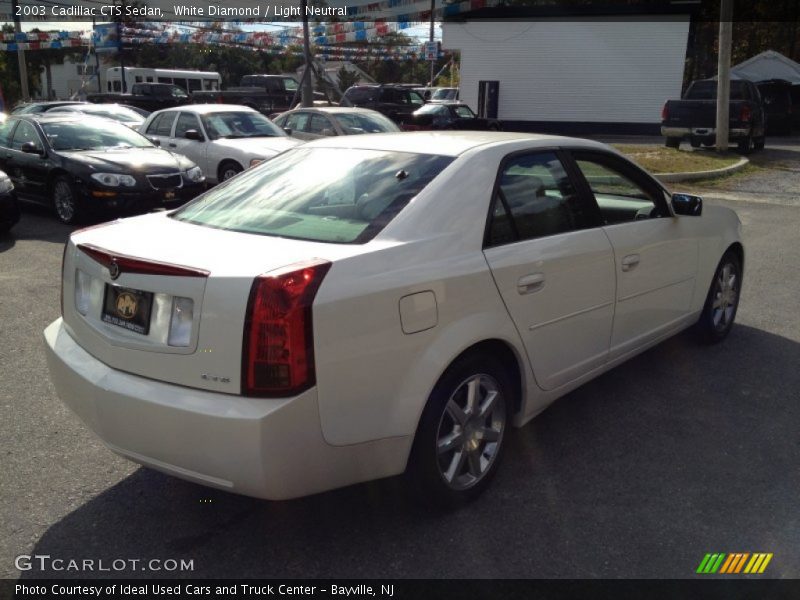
307, 93
433, 62
23, 66
724, 73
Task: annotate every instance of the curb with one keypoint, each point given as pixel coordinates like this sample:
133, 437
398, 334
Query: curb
700, 175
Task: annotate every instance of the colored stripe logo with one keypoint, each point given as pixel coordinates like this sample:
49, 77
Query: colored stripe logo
737, 562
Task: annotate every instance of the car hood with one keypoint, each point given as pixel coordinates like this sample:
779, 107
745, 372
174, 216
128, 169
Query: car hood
133, 159
259, 146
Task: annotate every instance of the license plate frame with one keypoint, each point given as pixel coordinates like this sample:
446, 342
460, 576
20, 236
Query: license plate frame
127, 308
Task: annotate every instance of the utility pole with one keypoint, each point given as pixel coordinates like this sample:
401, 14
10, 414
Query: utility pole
96, 56
433, 62
724, 74
23, 66
308, 94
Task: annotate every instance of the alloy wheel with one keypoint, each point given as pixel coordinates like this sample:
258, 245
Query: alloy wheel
64, 201
470, 432
726, 293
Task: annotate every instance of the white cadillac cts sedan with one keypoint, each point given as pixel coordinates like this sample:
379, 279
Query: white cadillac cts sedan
362, 306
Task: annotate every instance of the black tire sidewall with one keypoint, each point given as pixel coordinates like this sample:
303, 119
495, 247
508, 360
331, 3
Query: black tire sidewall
228, 164
427, 482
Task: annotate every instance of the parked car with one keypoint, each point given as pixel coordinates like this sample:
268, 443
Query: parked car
9, 207
147, 96
444, 94
223, 139
29, 108
80, 165
314, 123
448, 115
777, 97
394, 101
267, 94
360, 305
694, 117
116, 112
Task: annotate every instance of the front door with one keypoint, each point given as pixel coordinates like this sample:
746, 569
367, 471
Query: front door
655, 252
28, 171
194, 150
553, 266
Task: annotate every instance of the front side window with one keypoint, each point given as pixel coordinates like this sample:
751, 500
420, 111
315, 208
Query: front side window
318, 194
620, 195
535, 198
186, 121
25, 133
162, 124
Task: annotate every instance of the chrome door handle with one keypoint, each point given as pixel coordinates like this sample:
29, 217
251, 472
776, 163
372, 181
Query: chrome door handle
630, 261
530, 283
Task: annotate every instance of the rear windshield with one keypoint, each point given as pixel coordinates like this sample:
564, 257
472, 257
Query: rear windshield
707, 90
317, 194
357, 123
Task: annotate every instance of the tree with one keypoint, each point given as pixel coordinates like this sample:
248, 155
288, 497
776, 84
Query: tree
346, 78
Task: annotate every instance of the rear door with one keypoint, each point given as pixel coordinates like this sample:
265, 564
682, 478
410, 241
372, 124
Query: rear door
655, 253
553, 266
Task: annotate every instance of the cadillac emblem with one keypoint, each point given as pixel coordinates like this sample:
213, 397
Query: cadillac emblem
113, 269
126, 305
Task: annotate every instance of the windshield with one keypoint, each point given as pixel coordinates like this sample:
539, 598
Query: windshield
117, 113
464, 112
317, 194
445, 94
240, 124
92, 134
355, 123
432, 109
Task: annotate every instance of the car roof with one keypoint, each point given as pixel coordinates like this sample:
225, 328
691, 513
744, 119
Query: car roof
334, 109
56, 117
204, 109
448, 143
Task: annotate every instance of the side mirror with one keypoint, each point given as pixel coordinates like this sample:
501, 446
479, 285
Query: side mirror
156, 141
687, 205
288, 130
193, 134
32, 148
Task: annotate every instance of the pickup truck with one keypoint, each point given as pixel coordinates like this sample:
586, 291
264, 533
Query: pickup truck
694, 117
147, 96
267, 94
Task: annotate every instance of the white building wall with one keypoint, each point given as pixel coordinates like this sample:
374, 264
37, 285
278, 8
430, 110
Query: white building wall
606, 71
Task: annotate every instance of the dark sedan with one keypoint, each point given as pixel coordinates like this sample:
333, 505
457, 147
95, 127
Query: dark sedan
30, 108
448, 115
9, 209
81, 165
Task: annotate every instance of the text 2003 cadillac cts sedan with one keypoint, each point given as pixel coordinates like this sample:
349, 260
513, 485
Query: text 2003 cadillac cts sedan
362, 306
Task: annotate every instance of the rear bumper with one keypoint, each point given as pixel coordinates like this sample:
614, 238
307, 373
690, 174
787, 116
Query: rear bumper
701, 132
267, 448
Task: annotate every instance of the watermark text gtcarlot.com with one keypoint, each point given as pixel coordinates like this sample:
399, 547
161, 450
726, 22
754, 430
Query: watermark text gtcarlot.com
45, 562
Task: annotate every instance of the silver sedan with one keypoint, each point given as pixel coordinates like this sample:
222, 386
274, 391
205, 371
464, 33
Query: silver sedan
222, 139
318, 122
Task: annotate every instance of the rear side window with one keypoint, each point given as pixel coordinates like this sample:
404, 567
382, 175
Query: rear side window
318, 194
5, 132
162, 124
535, 198
360, 95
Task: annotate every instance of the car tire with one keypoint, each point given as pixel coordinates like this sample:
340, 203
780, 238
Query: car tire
760, 143
695, 142
746, 145
65, 200
722, 301
228, 169
461, 434
673, 143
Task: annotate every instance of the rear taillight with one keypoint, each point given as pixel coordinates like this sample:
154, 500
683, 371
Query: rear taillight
278, 344
665, 111
63, 266
746, 113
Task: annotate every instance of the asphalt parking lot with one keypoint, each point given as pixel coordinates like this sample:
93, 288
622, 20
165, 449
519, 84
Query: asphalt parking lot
684, 450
